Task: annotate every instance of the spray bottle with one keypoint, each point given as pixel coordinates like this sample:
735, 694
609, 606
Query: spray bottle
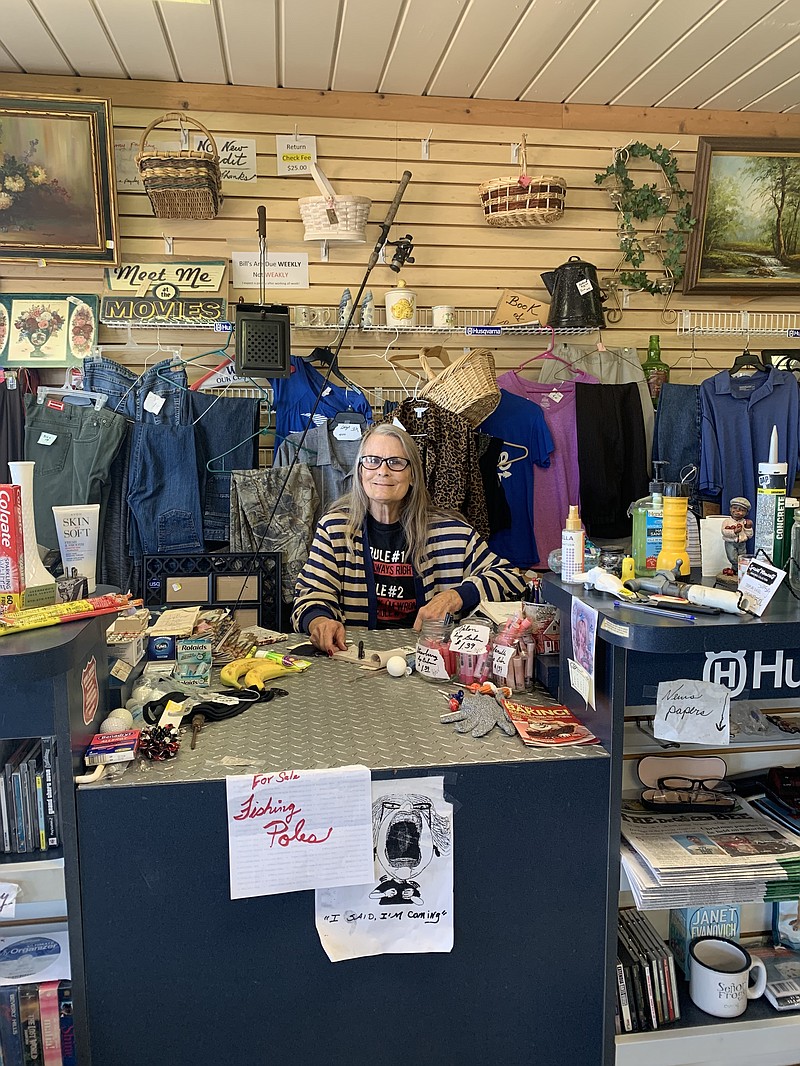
647, 515
771, 504
573, 546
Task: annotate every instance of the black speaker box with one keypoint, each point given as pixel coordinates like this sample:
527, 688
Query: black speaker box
263, 341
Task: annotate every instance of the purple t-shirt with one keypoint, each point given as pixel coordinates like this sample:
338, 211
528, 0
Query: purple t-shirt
521, 425
558, 485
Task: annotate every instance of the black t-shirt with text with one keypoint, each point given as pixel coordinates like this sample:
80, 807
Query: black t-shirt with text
394, 576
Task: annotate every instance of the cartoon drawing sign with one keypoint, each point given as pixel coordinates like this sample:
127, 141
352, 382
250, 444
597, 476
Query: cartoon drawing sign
408, 906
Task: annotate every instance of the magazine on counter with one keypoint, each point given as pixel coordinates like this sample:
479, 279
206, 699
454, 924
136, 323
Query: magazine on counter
541, 725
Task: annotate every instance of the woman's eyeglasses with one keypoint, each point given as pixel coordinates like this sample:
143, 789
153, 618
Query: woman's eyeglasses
375, 462
712, 791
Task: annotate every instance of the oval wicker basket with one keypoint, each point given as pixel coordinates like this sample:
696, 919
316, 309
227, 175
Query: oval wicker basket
351, 213
184, 183
524, 200
467, 386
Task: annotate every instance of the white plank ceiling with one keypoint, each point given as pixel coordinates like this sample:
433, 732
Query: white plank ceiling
734, 55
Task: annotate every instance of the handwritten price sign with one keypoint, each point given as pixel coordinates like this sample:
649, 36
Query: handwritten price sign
291, 830
470, 638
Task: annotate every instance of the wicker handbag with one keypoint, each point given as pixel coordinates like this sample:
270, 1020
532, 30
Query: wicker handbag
181, 183
524, 200
333, 217
467, 386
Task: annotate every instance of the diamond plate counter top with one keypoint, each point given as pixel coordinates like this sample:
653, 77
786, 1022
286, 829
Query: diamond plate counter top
337, 714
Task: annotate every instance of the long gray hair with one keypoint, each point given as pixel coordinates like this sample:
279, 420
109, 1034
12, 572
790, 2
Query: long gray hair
417, 507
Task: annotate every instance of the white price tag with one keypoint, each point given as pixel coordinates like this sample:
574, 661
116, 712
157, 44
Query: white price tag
501, 657
759, 584
47, 438
430, 663
8, 900
584, 286
347, 431
153, 402
470, 639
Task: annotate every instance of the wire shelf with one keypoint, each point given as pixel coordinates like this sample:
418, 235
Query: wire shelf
776, 323
469, 322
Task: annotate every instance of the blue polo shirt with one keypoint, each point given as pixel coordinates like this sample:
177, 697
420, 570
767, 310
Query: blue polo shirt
295, 396
738, 414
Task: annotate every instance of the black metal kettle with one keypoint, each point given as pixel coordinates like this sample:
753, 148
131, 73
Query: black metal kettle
575, 296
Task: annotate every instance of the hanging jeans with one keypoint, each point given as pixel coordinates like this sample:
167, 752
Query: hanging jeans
73, 449
158, 495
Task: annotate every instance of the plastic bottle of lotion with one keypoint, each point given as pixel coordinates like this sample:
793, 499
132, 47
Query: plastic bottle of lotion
573, 545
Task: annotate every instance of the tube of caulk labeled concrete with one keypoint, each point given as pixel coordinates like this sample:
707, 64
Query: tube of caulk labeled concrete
77, 529
771, 504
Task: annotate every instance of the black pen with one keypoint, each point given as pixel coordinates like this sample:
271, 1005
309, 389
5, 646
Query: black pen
665, 613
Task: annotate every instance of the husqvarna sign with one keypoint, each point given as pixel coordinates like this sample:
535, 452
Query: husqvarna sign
742, 671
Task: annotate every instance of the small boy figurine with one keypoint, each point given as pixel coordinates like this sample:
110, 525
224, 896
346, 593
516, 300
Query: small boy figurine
736, 532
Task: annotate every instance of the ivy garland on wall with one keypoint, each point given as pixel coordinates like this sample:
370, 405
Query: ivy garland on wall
643, 203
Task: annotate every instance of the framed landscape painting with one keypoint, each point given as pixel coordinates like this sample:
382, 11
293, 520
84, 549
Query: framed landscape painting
57, 194
747, 205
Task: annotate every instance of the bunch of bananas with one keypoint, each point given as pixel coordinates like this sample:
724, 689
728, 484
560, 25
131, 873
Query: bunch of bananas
254, 672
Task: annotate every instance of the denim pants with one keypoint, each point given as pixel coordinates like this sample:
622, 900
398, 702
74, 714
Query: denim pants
158, 495
75, 466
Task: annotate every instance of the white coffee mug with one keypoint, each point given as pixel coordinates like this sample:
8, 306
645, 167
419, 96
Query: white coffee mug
719, 976
444, 316
320, 316
302, 315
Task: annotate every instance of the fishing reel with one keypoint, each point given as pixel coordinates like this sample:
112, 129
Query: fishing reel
403, 246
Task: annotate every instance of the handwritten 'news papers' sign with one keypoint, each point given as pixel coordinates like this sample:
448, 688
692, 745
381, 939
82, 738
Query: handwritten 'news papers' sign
297, 829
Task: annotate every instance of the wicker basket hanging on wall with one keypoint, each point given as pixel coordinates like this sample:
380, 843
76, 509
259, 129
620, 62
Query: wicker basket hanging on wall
184, 183
524, 200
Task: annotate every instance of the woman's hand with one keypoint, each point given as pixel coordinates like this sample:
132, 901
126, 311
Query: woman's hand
442, 603
327, 634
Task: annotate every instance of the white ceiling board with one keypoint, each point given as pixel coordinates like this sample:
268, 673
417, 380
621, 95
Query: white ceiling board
81, 36
7, 63
367, 31
603, 27
480, 36
681, 61
784, 98
426, 28
665, 24
534, 40
28, 41
249, 38
194, 39
138, 38
308, 41
783, 65
759, 42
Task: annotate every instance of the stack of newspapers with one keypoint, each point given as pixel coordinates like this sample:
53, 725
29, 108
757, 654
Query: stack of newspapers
694, 859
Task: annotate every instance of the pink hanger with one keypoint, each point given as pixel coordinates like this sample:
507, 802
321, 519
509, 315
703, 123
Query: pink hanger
548, 354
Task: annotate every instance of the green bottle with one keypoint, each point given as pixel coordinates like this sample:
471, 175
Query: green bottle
656, 371
647, 515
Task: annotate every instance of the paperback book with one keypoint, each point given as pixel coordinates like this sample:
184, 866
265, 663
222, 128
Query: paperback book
541, 725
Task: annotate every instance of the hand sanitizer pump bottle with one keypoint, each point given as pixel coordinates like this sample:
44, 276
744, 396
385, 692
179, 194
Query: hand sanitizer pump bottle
647, 515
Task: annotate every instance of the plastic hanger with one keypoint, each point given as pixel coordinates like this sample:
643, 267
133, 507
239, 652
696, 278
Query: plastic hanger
99, 399
748, 361
549, 352
348, 418
516, 459
326, 357
560, 374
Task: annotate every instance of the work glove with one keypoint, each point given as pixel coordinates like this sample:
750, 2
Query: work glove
479, 715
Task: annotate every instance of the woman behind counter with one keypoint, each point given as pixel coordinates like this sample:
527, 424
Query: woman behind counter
385, 556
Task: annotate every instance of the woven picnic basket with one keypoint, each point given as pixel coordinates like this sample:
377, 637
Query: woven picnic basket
182, 183
332, 216
467, 386
523, 200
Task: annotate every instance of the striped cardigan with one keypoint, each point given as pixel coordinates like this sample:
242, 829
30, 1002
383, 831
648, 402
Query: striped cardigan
335, 583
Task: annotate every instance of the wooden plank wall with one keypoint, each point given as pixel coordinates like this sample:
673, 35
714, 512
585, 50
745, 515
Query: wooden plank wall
460, 260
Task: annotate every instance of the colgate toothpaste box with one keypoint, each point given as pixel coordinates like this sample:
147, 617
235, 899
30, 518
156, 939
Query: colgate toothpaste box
12, 554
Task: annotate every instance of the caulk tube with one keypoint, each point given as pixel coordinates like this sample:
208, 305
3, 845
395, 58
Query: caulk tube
771, 505
77, 529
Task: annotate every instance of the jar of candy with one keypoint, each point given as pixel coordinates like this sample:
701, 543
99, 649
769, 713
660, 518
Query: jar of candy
514, 656
470, 643
611, 557
434, 660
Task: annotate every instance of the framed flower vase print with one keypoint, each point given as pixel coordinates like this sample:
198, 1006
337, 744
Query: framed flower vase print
747, 204
57, 193
46, 330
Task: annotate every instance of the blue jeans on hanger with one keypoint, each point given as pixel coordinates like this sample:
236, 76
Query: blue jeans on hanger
162, 492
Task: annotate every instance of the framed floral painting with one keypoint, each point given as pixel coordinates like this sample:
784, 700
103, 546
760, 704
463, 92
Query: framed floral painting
57, 192
49, 330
